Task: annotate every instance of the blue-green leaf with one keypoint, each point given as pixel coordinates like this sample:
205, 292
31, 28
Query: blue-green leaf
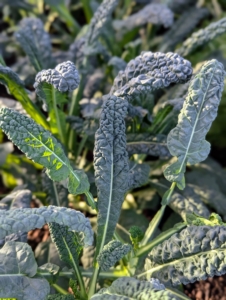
17, 270
187, 140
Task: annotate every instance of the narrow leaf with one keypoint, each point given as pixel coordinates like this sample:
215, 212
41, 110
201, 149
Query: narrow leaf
187, 139
68, 243
111, 167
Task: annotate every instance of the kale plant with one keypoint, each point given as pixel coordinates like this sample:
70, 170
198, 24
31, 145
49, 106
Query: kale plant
88, 142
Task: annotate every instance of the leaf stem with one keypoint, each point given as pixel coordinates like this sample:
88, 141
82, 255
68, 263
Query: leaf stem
56, 111
158, 217
59, 289
87, 10
93, 280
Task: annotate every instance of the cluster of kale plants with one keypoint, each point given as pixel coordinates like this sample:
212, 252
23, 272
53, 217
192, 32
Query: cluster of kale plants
125, 109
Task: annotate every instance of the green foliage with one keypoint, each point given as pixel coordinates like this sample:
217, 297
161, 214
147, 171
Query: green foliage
111, 254
187, 139
112, 103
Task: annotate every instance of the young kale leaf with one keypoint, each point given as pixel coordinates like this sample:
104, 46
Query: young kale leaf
112, 253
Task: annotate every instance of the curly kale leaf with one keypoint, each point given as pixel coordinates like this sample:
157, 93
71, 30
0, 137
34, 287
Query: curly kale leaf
112, 253
64, 77
16, 199
187, 140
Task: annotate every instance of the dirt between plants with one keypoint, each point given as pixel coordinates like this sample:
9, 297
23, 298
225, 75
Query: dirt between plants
210, 289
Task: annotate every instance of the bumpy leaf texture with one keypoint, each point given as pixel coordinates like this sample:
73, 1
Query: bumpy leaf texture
40, 146
126, 288
26, 219
152, 13
188, 202
187, 139
68, 243
64, 77
35, 42
202, 36
111, 167
112, 253
195, 253
147, 144
150, 71
17, 270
